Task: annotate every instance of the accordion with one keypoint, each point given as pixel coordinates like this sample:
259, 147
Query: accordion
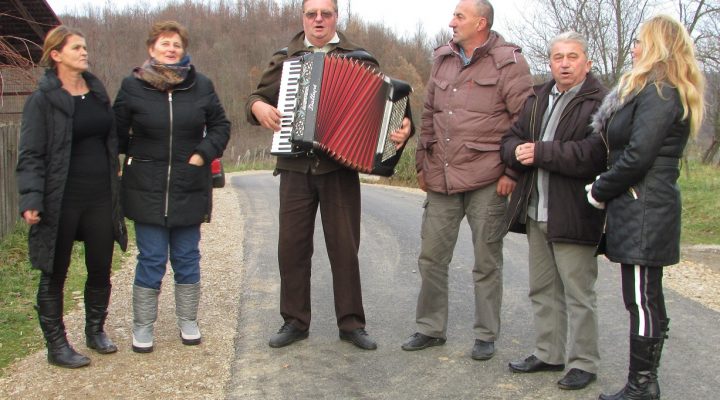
337, 105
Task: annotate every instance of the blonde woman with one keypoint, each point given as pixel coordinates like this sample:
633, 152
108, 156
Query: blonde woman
645, 123
67, 175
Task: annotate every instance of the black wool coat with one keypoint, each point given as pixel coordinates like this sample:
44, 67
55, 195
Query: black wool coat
159, 132
571, 158
646, 138
44, 161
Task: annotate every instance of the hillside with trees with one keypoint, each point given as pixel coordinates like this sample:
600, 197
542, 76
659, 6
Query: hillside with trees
231, 42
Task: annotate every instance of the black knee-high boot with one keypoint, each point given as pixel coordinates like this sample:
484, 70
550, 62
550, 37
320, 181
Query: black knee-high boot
644, 360
96, 305
50, 314
654, 387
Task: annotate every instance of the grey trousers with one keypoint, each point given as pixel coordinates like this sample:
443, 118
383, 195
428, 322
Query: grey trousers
443, 214
562, 292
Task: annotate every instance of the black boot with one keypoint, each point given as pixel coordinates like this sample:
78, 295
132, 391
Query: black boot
96, 305
654, 387
644, 358
50, 314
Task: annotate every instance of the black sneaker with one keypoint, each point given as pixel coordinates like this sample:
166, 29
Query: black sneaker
418, 341
287, 335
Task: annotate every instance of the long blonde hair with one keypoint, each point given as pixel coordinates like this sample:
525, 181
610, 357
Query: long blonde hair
668, 55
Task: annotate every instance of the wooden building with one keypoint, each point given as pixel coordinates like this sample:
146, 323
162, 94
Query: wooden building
23, 26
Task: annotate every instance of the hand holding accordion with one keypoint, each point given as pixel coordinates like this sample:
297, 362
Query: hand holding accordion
341, 107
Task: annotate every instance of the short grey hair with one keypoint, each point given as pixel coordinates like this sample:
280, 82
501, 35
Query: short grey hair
485, 9
335, 4
569, 36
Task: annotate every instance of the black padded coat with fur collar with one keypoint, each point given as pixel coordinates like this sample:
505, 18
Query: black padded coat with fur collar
646, 137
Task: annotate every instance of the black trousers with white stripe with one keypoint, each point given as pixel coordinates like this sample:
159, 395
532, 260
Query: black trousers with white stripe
644, 300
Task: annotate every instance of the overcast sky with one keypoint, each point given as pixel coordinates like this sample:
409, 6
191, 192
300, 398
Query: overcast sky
402, 15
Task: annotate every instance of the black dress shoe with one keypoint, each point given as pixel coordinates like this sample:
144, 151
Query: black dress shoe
483, 350
576, 379
533, 364
287, 335
418, 341
359, 338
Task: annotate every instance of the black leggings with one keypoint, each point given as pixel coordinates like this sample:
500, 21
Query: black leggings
92, 223
643, 296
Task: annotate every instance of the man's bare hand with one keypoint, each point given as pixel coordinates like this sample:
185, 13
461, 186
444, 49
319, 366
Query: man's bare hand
267, 115
401, 135
505, 186
525, 153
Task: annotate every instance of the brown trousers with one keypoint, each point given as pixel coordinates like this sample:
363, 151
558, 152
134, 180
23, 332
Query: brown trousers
338, 195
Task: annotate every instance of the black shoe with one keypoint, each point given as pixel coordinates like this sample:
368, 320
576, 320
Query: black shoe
359, 338
576, 379
418, 341
533, 364
287, 335
483, 350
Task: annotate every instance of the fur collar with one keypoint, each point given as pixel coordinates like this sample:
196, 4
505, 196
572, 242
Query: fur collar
610, 105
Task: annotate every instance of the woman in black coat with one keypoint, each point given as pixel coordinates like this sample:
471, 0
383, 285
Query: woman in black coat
645, 123
67, 175
171, 126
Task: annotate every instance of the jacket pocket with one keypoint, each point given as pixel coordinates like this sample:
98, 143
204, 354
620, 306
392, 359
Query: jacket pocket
482, 95
143, 174
191, 178
441, 96
493, 228
474, 152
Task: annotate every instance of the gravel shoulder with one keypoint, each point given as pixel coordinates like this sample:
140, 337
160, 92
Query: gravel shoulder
174, 371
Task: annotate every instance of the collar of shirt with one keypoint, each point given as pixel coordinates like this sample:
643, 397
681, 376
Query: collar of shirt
328, 46
461, 51
572, 91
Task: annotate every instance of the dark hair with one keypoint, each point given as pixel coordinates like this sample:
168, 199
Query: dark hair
56, 39
165, 27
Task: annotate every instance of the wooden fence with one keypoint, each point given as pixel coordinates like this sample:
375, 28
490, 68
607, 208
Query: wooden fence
9, 137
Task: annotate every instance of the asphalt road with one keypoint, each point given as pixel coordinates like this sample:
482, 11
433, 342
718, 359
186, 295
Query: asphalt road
323, 367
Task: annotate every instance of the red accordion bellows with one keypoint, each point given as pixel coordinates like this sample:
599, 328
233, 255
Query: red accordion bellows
350, 111
338, 106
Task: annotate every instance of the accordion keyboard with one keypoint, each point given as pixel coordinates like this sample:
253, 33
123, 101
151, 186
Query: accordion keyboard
281, 144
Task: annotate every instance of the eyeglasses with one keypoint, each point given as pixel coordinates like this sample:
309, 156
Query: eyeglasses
636, 42
312, 14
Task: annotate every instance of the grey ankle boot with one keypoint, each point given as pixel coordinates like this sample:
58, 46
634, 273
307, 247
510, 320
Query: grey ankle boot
145, 307
187, 299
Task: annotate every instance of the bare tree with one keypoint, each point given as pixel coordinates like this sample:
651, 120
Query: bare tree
702, 19
608, 25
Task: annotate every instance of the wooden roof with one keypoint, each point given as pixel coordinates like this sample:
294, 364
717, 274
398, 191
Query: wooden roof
24, 23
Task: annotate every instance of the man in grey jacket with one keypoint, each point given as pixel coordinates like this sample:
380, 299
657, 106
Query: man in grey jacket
477, 87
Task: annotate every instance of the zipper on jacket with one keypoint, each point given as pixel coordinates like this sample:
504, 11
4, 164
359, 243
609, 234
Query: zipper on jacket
170, 156
521, 202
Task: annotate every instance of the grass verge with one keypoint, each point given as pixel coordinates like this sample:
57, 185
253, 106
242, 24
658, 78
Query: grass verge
19, 330
700, 185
